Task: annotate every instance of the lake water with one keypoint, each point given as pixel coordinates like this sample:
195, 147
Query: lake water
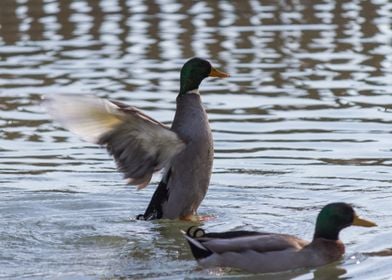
304, 120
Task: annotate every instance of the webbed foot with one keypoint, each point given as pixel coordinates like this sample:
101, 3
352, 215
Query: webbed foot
140, 217
197, 218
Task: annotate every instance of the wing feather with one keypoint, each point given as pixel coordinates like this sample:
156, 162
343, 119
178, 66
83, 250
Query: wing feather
259, 243
139, 144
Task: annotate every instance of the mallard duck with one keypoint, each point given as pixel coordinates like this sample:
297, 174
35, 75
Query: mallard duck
273, 252
141, 145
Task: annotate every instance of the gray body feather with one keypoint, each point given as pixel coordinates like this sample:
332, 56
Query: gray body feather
191, 168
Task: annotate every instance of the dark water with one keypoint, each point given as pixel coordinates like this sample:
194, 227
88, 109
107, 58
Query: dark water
305, 119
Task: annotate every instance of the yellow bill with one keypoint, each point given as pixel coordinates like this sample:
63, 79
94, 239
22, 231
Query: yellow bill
362, 222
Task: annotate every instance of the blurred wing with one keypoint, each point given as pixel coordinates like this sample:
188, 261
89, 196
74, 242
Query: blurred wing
139, 144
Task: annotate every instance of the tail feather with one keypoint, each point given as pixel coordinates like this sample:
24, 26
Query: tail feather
199, 251
154, 209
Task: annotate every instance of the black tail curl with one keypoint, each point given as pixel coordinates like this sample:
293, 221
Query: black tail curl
195, 232
197, 248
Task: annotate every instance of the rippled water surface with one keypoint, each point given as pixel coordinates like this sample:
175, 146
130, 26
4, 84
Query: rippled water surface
304, 120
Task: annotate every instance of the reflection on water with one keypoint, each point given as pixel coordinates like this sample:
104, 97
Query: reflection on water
305, 119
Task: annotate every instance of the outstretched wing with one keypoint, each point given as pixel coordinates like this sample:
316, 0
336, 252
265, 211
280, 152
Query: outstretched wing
139, 144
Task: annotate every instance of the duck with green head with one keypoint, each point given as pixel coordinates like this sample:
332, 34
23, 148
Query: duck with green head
262, 252
141, 145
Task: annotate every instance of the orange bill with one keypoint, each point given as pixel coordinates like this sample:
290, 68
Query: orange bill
216, 73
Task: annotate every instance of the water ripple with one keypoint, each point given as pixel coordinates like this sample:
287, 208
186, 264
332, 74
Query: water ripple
303, 120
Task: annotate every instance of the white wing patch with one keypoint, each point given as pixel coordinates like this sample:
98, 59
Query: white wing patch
87, 117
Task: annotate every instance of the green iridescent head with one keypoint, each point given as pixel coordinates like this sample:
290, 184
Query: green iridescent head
196, 70
336, 216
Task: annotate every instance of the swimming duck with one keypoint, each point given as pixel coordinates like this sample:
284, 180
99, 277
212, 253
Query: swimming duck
141, 145
262, 252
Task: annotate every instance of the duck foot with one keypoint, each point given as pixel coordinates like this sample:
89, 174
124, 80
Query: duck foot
207, 218
147, 217
197, 218
140, 217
